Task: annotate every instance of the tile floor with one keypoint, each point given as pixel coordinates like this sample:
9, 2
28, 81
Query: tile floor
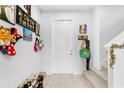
67, 81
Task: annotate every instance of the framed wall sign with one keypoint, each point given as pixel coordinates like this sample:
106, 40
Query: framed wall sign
28, 8
23, 19
82, 37
27, 34
7, 13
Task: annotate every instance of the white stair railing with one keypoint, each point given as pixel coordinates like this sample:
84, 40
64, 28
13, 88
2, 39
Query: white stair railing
115, 56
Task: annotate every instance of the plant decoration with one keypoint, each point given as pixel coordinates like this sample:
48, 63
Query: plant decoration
112, 55
7, 13
8, 38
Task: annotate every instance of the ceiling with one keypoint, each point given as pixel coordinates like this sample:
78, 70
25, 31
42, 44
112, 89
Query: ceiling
66, 7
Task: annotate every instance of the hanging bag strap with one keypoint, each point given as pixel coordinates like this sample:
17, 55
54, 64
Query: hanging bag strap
83, 43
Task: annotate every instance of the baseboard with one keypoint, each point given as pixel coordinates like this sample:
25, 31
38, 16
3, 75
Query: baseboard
78, 73
66, 73
104, 62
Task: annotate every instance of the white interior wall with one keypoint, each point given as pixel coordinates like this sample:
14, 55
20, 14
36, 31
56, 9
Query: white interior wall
111, 24
79, 17
95, 38
14, 69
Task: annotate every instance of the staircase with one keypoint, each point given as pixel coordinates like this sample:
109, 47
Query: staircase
97, 78
115, 75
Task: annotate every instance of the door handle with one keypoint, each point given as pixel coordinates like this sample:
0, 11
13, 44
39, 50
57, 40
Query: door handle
71, 52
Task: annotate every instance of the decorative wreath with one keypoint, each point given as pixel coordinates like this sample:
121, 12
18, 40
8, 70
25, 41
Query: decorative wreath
112, 55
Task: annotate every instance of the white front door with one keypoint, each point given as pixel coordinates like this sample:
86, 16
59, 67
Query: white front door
62, 46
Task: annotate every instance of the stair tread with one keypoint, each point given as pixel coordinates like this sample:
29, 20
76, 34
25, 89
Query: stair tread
103, 74
96, 80
105, 66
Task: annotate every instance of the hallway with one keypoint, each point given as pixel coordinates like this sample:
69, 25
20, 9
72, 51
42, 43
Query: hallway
67, 81
61, 40
71, 81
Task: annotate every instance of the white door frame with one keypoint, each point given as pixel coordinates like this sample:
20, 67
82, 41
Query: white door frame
73, 58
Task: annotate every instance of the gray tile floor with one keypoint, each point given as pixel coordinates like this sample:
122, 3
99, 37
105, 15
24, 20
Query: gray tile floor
67, 81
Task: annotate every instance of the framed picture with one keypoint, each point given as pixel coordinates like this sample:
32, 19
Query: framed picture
38, 45
37, 30
23, 19
7, 13
27, 34
28, 8
83, 29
